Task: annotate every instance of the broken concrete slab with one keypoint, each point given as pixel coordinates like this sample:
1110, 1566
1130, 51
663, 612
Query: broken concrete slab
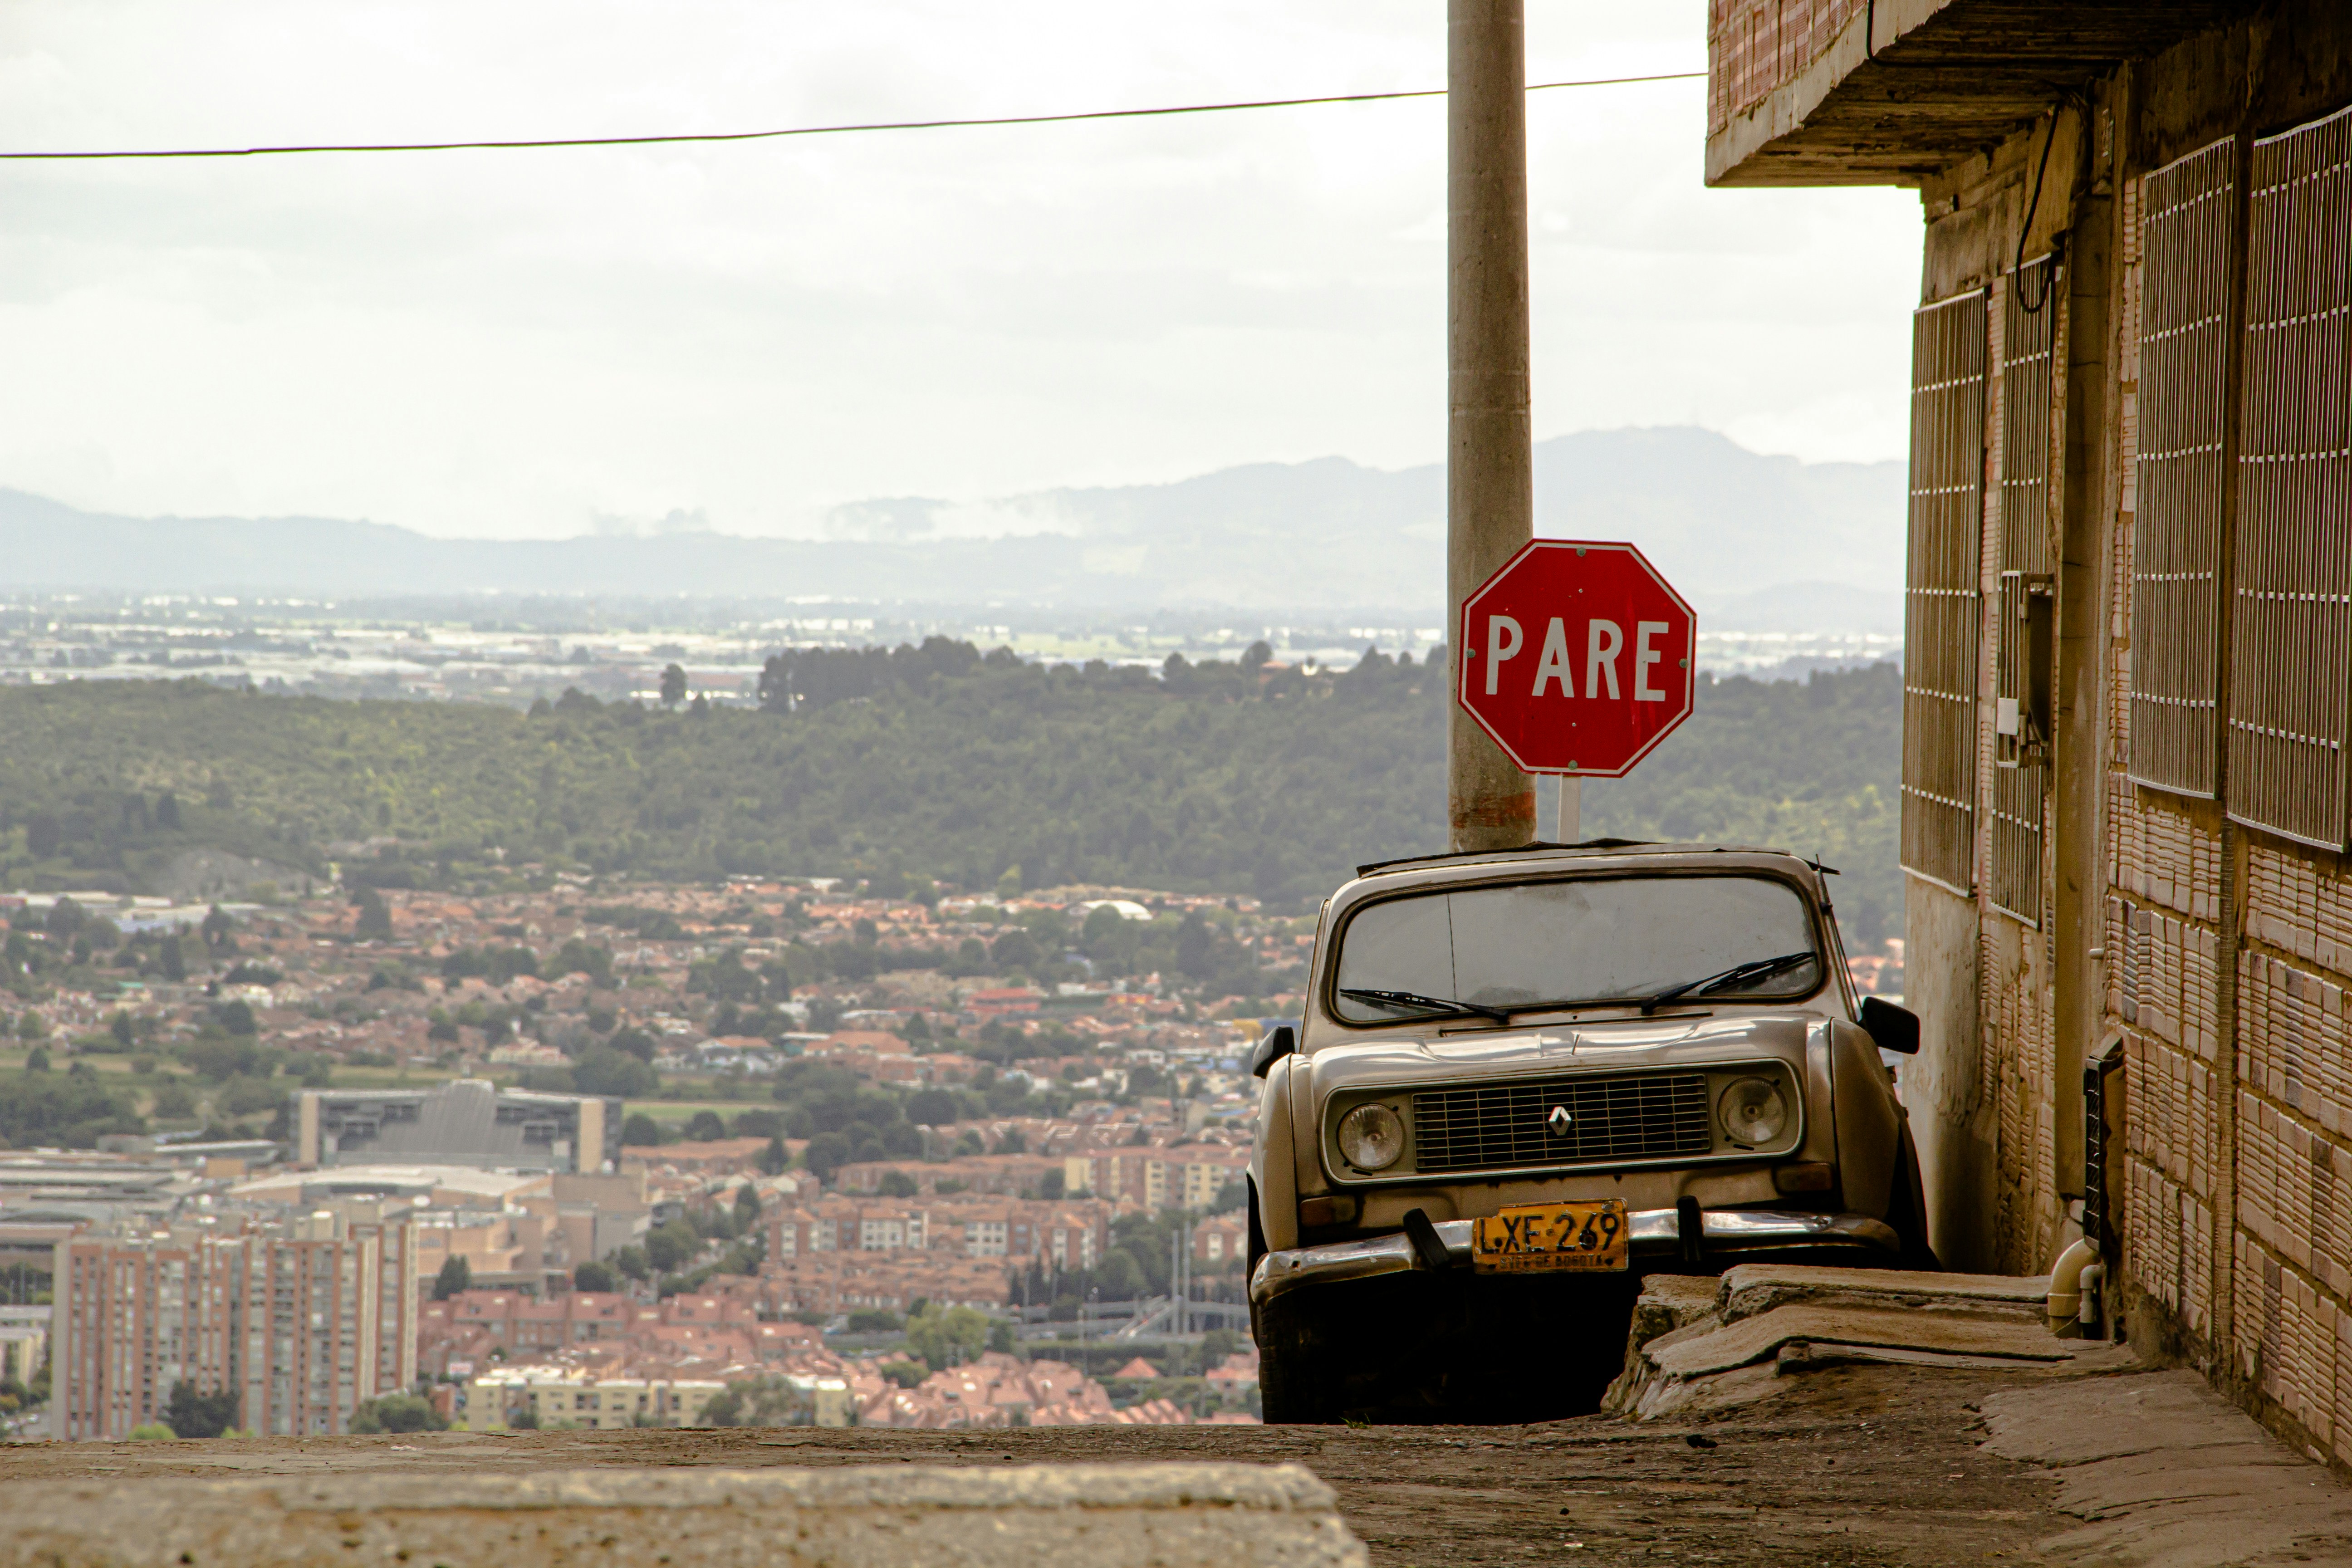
2167, 1474
1754, 1287
1123, 1516
1685, 1358
1718, 1347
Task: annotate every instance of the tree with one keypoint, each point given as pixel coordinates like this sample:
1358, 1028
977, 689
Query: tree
375, 922
37, 1060
174, 959
673, 685
1012, 1143
595, 1275
774, 1160
641, 1130
826, 1153
173, 1100
167, 812
705, 1127
120, 1027
999, 1336
219, 930
222, 1057
456, 1275
631, 1263
1016, 949
905, 1374
1122, 1278
1195, 947
397, 1412
601, 1070
946, 1336
899, 1184
193, 1415
669, 1246
747, 1207
577, 957
931, 1107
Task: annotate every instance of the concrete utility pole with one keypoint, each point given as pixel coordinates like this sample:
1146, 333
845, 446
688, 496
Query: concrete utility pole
1490, 454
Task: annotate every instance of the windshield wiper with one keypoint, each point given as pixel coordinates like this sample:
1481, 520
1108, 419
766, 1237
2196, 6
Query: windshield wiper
1754, 968
1444, 1004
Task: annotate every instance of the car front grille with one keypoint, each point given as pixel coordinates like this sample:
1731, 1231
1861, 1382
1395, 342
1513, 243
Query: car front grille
1631, 1116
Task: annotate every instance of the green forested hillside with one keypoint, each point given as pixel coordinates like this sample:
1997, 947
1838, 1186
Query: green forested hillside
953, 767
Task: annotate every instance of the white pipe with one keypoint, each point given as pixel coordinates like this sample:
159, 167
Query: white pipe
2093, 1309
2066, 1303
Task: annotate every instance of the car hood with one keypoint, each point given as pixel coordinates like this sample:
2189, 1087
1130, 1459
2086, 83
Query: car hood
1602, 1046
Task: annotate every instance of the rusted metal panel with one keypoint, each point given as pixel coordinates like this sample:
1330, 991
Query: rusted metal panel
2291, 656
1942, 594
2189, 238
2029, 357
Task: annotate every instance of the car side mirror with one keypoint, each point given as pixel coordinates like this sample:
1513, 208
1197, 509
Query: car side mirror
1278, 1042
1894, 1028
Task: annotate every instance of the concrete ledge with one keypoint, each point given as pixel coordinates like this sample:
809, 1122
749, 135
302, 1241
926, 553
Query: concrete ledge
1115, 1516
1704, 1343
1756, 1288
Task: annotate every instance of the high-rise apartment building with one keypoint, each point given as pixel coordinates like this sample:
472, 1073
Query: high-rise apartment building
302, 1322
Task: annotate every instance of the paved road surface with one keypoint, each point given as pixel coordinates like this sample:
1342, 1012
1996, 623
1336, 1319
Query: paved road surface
1852, 1466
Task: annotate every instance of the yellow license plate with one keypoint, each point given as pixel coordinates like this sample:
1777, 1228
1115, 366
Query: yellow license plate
1539, 1238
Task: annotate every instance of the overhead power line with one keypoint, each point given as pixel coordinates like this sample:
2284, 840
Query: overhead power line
803, 129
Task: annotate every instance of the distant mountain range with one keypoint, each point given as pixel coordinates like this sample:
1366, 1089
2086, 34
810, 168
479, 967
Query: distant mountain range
1758, 542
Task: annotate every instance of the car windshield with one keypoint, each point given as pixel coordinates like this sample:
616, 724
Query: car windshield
1618, 939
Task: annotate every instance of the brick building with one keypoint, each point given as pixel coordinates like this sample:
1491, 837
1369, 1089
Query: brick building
1186, 1177
1063, 1234
2128, 708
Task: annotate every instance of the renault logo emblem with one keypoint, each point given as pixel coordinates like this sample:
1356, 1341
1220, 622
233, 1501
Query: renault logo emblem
1558, 1122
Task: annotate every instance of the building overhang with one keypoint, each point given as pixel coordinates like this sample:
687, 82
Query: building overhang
1933, 83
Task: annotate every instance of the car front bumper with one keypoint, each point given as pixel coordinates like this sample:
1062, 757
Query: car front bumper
1728, 1236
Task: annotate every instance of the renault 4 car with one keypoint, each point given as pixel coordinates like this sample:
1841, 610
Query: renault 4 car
1521, 1081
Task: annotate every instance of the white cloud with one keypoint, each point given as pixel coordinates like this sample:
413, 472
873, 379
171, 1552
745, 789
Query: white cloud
524, 343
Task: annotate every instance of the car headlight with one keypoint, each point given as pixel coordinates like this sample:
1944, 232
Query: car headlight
1753, 1112
1372, 1137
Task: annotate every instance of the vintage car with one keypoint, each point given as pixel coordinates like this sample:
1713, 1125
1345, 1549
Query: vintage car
1525, 1079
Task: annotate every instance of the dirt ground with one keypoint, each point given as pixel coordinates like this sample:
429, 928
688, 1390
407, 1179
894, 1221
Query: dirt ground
1851, 1468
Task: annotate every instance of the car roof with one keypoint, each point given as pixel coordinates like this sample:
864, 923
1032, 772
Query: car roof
1609, 848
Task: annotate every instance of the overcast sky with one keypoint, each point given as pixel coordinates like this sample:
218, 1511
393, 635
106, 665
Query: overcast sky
530, 344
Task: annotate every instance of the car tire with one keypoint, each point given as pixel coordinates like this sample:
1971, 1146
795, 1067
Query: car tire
1906, 1210
1295, 1381
1258, 1250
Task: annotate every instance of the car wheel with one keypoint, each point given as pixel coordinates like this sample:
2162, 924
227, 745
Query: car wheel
1257, 1249
1294, 1374
1906, 1210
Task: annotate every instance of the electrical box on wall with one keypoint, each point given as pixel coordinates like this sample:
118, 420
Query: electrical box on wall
2024, 699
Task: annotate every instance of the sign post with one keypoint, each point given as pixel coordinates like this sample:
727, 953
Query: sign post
1576, 660
1490, 506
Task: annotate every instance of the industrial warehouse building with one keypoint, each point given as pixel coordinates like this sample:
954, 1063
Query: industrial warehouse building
467, 1121
2128, 655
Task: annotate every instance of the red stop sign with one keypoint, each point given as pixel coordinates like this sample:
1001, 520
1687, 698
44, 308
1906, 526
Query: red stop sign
1576, 657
